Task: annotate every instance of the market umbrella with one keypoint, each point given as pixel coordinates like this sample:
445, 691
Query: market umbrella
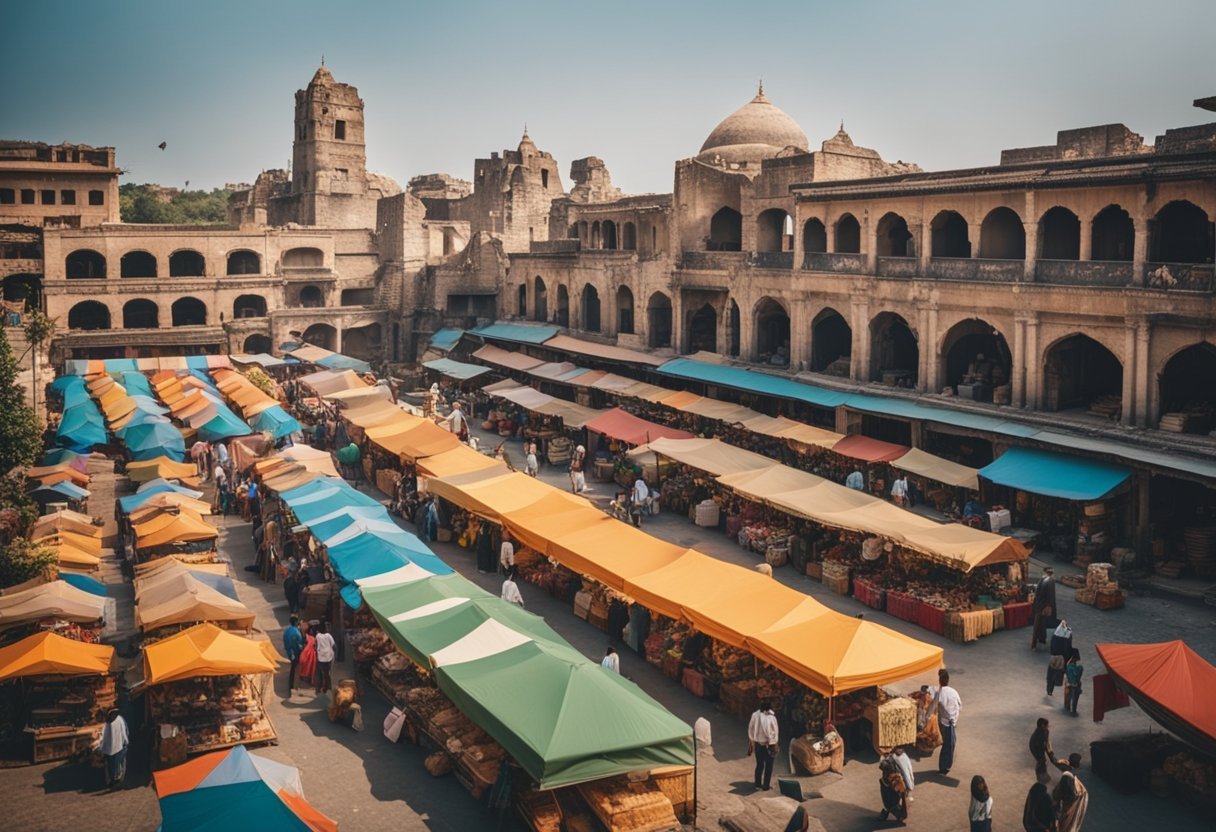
50, 654
153, 439
206, 650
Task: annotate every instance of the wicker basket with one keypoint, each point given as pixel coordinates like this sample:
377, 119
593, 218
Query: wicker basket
805, 760
675, 782
838, 583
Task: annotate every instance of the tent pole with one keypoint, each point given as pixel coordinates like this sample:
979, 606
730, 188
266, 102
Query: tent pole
695, 754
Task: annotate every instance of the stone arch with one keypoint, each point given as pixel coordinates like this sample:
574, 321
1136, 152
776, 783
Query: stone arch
734, 323
725, 230
629, 237
1059, 234
137, 264
187, 262
591, 308
561, 315
244, 261
521, 300
608, 230
624, 310
948, 234
1077, 371
974, 352
1113, 235
1002, 236
140, 313
249, 306
772, 230
321, 335
257, 344
814, 236
24, 288
364, 342
894, 351
703, 329
85, 264
303, 257
831, 343
894, 238
89, 314
772, 328
658, 320
1181, 233
1187, 384
848, 235
540, 300
311, 296
189, 312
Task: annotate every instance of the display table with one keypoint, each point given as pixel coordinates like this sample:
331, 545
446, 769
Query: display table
1018, 615
63, 743
869, 594
968, 626
931, 618
603, 470
903, 606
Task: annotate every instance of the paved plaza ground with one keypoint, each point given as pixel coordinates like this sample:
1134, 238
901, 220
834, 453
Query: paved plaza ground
365, 783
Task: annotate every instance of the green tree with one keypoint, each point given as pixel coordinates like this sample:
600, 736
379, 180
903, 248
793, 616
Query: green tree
21, 560
39, 329
144, 204
20, 429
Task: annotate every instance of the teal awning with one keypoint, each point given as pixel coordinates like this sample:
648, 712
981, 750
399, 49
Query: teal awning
1055, 475
455, 369
741, 379
446, 338
520, 333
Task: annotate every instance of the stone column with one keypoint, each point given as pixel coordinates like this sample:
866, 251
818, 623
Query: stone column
797, 247
677, 323
1087, 239
926, 246
1140, 251
1130, 403
1147, 396
1032, 251
1018, 393
829, 232
337, 338
1034, 366
800, 335
932, 380
860, 362
925, 357
870, 244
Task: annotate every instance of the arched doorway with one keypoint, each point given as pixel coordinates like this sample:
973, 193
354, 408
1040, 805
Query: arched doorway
249, 306
1080, 372
725, 231
658, 320
948, 235
629, 237
140, 314
562, 318
814, 237
976, 355
244, 262
703, 330
85, 264
1002, 236
540, 300
303, 258
521, 300
1188, 385
735, 323
187, 263
311, 297
772, 333
609, 232
189, 312
363, 342
848, 235
1059, 235
1114, 235
591, 308
894, 238
773, 230
1181, 233
24, 289
137, 264
257, 344
624, 310
894, 353
89, 314
321, 335
831, 344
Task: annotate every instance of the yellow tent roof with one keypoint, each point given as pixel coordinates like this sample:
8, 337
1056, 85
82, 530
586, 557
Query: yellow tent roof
289, 477
492, 493
178, 597
83, 542
459, 460
679, 399
153, 567
53, 655
66, 521
712, 455
206, 650
170, 500
164, 529
938, 469
309, 458
161, 466
67, 474
72, 557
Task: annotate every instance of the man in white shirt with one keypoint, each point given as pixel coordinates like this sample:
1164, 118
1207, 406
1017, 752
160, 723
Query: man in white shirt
325, 656
456, 420
114, 742
641, 500
221, 455
506, 555
855, 481
510, 592
198, 452
947, 705
899, 491
612, 661
762, 741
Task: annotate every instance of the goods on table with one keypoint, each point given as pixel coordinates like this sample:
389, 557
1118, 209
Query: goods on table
707, 514
395, 675
1101, 589
813, 756
836, 576
676, 783
625, 806
438, 764
928, 734
212, 711
370, 644
892, 723
65, 714
969, 625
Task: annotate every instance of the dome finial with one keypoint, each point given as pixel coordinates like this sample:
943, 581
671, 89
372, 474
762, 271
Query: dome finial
322, 59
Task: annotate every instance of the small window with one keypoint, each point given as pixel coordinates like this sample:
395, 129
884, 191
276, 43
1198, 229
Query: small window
7, 196
27, 196
340, 130
544, 179
61, 155
48, 197
97, 197
343, 173
67, 197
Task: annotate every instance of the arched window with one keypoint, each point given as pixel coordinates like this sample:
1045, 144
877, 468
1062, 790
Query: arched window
1181, 234
189, 312
894, 353
624, 310
249, 306
814, 237
257, 345
321, 335
244, 262
591, 308
894, 238
89, 314
1002, 236
629, 237
85, 264
140, 314
976, 356
186, 263
772, 333
303, 258
1081, 373
948, 235
725, 231
562, 318
1060, 235
771, 230
831, 344
609, 231
1114, 235
137, 264
540, 300
703, 329
658, 320
1188, 385
848, 235
311, 297
362, 342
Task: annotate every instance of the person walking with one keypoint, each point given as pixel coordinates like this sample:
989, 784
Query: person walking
1071, 800
639, 501
1040, 749
293, 643
291, 589
899, 491
1044, 606
114, 742
307, 669
947, 704
325, 658
1039, 812
895, 784
762, 740
506, 554
1073, 672
510, 591
531, 466
980, 810
611, 661
578, 480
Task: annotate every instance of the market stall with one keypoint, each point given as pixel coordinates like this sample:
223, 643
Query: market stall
55, 605
177, 531
175, 596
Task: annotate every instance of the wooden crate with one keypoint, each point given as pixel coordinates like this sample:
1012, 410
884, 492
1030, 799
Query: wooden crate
814, 571
676, 783
582, 604
672, 666
694, 682
892, 723
838, 584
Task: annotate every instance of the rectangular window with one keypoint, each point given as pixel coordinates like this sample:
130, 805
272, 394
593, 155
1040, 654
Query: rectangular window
7, 196
67, 197
48, 197
544, 179
27, 196
340, 130
97, 197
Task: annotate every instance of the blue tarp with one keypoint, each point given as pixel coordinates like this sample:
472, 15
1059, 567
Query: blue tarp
153, 439
1055, 474
62, 489
114, 366
456, 369
520, 333
62, 383
81, 427
446, 338
278, 421
84, 583
337, 361
136, 384
224, 425
742, 379
58, 455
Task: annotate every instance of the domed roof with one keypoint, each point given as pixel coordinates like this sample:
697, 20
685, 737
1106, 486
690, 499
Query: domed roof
757, 130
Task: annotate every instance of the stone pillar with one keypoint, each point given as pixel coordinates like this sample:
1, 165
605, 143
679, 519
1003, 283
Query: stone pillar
1140, 252
1034, 366
860, 363
1087, 239
870, 244
1018, 382
800, 335
337, 338
925, 357
797, 247
829, 232
926, 246
1130, 357
677, 323
1147, 399
932, 380
1032, 250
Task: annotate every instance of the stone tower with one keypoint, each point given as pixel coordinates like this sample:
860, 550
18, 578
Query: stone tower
329, 161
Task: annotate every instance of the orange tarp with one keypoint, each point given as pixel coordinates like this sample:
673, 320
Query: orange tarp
620, 424
869, 450
66, 521
53, 655
206, 650
67, 474
169, 528
458, 460
491, 493
84, 542
161, 466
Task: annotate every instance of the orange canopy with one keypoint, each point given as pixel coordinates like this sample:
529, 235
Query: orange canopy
458, 460
49, 654
869, 450
1173, 685
622, 425
173, 528
206, 650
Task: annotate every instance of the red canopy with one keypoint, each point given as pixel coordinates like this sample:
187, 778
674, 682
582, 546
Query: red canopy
869, 450
619, 424
1171, 683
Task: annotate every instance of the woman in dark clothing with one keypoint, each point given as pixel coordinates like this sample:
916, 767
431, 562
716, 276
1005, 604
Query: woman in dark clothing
1040, 749
1039, 813
486, 562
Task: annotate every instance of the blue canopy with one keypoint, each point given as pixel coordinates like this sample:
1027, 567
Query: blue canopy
84, 582
81, 427
153, 439
521, 333
223, 425
62, 383
446, 338
456, 369
278, 421
133, 501
337, 361
322, 496
61, 489
1054, 474
136, 384
368, 555
138, 417
58, 455
741, 379
196, 362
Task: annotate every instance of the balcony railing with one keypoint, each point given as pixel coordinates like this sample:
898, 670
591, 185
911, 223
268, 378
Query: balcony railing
771, 259
968, 268
1179, 277
822, 261
712, 260
1083, 272
898, 267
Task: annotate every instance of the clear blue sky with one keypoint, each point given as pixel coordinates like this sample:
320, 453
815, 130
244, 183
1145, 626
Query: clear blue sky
639, 84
